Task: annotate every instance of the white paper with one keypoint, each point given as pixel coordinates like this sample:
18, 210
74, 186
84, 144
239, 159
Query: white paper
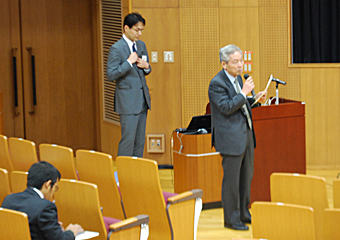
269, 81
86, 235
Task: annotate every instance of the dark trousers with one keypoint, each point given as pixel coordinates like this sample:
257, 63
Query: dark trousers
238, 174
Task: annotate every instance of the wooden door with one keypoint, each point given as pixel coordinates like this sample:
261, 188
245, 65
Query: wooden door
57, 53
10, 68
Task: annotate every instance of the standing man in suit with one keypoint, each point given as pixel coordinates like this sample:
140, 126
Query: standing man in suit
35, 201
127, 64
233, 135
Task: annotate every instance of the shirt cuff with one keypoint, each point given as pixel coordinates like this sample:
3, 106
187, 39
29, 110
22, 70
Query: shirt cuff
243, 95
129, 62
147, 70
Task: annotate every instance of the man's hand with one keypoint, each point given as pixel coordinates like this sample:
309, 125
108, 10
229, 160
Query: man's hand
75, 228
263, 98
142, 64
133, 58
248, 86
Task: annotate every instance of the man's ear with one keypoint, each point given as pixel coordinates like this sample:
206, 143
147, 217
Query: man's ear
47, 184
126, 27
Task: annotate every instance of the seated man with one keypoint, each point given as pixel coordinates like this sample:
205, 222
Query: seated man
35, 201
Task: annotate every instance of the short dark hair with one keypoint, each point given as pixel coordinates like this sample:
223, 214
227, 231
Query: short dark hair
41, 172
132, 19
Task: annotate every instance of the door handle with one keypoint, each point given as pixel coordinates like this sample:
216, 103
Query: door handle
34, 92
15, 81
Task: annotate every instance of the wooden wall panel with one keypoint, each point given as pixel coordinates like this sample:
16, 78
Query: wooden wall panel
161, 34
199, 62
244, 34
320, 93
240, 3
154, 4
1, 115
198, 3
272, 3
274, 52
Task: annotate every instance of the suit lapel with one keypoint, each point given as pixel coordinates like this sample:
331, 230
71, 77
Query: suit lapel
128, 52
125, 47
227, 81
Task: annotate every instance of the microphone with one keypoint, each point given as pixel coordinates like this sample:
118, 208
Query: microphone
278, 81
252, 91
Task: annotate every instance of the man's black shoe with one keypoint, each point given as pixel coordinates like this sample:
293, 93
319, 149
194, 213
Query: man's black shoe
246, 220
239, 226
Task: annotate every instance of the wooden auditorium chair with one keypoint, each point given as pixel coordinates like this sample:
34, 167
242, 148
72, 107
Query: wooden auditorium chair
281, 221
301, 189
60, 157
23, 153
18, 181
97, 168
78, 202
172, 216
336, 193
14, 225
331, 219
4, 184
5, 160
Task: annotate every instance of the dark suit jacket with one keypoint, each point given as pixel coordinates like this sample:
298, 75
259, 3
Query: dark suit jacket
42, 215
130, 81
229, 124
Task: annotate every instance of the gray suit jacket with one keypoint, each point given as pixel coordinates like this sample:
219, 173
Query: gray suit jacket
130, 81
229, 124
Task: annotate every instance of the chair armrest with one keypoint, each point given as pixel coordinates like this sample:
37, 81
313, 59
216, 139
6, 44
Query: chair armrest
193, 194
129, 223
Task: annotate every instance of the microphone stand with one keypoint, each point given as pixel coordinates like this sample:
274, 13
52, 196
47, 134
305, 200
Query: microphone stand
277, 94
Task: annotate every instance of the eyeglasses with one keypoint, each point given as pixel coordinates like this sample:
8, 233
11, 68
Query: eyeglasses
56, 188
137, 29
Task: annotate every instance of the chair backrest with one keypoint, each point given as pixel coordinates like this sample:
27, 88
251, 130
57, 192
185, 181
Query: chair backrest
14, 225
331, 220
141, 193
78, 202
60, 157
97, 168
18, 181
336, 193
23, 153
4, 184
5, 159
303, 190
282, 221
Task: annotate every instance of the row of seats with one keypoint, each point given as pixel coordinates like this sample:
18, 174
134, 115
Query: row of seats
298, 209
172, 216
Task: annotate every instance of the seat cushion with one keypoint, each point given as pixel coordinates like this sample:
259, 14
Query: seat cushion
167, 195
108, 221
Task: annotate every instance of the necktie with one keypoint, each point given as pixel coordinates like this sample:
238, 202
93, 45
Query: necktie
238, 90
134, 47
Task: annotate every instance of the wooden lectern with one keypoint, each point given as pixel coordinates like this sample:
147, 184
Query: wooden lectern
280, 144
197, 165
280, 138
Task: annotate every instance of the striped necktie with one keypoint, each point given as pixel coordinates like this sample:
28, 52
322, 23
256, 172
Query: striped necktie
238, 89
